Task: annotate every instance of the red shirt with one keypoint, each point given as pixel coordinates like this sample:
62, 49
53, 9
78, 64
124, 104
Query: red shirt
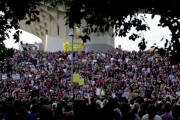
128, 76
27, 82
91, 58
61, 95
40, 93
81, 56
164, 74
93, 89
61, 74
177, 67
86, 69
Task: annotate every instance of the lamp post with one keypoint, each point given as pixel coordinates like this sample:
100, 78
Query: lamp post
71, 35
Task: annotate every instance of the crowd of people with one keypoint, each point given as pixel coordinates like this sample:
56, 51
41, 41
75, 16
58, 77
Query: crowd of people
118, 85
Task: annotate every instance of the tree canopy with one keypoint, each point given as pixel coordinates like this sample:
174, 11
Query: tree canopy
13, 11
99, 16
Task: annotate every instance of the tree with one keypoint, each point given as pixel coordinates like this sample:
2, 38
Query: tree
13, 11
101, 16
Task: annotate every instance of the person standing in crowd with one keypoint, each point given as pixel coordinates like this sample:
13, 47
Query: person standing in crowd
175, 112
167, 115
152, 113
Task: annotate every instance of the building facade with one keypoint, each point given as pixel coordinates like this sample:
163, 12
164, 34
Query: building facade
52, 31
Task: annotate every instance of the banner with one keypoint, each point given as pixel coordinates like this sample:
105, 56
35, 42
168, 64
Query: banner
67, 46
75, 77
98, 92
126, 94
16, 76
21, 94
81, 81
4, 76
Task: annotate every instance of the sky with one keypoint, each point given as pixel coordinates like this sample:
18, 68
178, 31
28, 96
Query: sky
154, 35
25, 37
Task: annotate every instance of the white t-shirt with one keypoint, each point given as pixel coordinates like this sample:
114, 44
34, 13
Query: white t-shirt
119, 60
32, 82
127, 59
84, 60
113, 95
36, 87
94, 61
178, 94
103, 55
112, 59
146, 117
30, 75
69, 56
64, 70
98, 55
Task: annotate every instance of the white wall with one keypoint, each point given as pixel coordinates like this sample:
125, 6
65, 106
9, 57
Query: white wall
54, 44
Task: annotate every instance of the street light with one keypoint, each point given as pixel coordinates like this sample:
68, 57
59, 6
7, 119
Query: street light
78, 25
71, 35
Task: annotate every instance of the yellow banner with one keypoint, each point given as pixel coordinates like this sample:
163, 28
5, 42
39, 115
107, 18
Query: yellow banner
81, 81
67, 46
75, 77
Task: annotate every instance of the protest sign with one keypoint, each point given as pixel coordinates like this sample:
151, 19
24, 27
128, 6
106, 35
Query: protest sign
4, 76
75, 77
81, 82
16, 76
77, 46
126, 95
98, 91
21, 94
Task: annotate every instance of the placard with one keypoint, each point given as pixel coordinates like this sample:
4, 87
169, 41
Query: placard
126, 95
16, 76
81, 82
21, 94
75, 77
4, 76
107, 67
98, 91
67, 46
